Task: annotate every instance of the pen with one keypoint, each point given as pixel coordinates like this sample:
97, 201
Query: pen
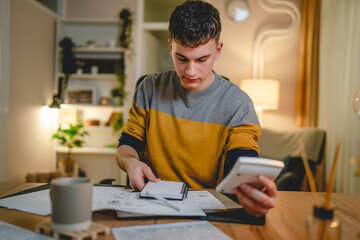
163, 200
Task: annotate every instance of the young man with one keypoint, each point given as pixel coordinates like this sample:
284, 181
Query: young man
190, 124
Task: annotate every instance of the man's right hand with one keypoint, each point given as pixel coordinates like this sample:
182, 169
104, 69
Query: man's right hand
128, 160
137, 172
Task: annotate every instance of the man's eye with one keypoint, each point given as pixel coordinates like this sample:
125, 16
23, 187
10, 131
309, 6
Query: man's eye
202, 60
182, 59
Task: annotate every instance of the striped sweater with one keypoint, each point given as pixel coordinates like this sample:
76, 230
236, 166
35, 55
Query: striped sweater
191, 136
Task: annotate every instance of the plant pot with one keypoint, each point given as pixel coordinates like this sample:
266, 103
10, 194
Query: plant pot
68, 167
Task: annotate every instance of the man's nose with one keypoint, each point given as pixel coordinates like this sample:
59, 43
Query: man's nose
190, 69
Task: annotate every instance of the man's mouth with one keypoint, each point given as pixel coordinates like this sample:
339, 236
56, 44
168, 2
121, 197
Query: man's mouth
191, 80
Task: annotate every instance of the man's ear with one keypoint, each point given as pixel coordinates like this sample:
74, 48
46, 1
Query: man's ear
218, 50
170, 45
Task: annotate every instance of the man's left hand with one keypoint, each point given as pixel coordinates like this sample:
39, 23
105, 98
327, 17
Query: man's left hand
257, 202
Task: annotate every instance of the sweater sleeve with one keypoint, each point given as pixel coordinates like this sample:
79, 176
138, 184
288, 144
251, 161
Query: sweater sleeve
133, 133
233, 155
127, 139
243, 134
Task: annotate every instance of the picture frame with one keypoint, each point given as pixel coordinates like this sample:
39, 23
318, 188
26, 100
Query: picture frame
80, 95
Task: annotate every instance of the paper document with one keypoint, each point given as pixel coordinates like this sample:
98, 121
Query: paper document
9, 231
194, 230
116, 198
35, 202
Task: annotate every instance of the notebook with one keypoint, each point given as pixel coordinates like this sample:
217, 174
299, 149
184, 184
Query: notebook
166, 189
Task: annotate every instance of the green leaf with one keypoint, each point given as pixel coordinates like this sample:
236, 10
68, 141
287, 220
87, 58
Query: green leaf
69, 136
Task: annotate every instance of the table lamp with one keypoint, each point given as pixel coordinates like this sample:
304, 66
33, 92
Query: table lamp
264, 94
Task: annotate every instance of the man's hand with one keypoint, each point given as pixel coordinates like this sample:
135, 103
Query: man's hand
254, 201
137, 171
128, 160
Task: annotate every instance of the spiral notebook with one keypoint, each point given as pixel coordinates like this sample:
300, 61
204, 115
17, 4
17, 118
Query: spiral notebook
166, 189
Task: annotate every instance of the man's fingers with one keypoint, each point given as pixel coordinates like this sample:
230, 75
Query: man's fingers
269, 184
251, 206
150, 175
136, 183
258, 196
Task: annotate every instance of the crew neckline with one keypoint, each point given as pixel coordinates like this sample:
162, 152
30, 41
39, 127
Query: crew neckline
191, 95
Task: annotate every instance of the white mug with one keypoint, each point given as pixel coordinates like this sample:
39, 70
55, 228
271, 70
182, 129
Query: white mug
71, 202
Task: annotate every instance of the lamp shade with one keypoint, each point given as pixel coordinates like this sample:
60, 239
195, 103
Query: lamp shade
263, 92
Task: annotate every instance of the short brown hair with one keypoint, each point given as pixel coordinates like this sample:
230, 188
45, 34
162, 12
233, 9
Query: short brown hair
194, 23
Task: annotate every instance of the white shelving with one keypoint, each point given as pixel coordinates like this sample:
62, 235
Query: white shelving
89, 76
100, 50
87, 150
92, 107
84, 24
103, 33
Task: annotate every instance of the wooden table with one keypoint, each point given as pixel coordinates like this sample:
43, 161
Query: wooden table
285, 221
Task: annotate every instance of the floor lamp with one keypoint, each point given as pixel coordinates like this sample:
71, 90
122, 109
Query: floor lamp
265, 92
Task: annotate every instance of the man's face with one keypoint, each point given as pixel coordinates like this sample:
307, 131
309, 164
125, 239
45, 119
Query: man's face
194, 65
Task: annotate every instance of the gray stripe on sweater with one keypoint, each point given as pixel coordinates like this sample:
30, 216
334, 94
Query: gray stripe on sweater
221, 103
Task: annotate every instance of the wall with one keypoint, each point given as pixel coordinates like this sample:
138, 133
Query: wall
4, 85
281, 58
30, 88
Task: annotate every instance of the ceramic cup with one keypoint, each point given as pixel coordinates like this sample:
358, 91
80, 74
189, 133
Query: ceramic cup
71, 200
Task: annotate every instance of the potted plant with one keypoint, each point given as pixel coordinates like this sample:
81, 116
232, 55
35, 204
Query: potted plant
70, 136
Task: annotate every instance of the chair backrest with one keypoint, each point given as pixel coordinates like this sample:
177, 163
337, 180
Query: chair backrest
279, 144
283, 145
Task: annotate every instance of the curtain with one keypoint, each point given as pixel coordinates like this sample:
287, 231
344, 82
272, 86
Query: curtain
308, 76
339, 77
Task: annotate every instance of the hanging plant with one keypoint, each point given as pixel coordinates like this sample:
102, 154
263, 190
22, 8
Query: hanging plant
126, 22
120, 76
125, 41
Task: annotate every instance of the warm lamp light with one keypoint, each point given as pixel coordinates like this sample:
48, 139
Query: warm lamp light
263, 92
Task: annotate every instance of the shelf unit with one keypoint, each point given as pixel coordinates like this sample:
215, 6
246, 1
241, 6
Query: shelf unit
102, 53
